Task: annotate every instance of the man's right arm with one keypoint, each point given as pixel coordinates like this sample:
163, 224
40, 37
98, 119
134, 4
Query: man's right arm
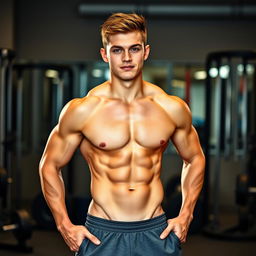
61, 145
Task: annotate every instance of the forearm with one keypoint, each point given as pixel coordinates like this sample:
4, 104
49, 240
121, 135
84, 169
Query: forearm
191, 185
54, 193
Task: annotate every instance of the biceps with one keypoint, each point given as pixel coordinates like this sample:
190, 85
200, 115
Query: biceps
187, 143
59, 149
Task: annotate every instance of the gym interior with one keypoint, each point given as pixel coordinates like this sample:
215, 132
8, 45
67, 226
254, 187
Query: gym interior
203, 51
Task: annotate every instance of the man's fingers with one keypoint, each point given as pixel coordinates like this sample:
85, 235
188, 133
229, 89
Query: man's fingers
177, 231
93, 238
183, 240
166, 232
72, 245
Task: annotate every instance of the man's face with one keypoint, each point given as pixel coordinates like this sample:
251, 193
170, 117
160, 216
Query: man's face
125, 54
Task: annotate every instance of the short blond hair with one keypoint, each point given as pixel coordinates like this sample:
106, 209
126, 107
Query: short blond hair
123, 23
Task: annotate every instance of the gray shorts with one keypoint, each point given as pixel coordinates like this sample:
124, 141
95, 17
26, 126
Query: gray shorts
136, 238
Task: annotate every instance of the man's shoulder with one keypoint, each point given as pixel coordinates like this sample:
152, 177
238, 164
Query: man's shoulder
99, 91
162, 98
161, 95
78, 110
81, 105
93, 97
170, 101
152, 89
175, 107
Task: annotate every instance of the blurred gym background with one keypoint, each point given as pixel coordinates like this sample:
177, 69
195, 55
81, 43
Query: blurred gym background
203, 51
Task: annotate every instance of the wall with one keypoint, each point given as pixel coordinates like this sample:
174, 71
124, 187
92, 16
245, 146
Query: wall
53, 30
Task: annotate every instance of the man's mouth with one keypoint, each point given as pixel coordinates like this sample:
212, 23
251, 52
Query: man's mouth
127, 67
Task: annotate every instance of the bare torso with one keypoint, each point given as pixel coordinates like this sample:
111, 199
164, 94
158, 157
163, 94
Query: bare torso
123, 144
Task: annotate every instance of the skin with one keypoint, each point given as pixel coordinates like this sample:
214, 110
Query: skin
122, 128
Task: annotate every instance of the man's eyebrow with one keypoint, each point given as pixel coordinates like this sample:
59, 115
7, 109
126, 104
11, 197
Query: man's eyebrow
116, 46
121, 47
134, 45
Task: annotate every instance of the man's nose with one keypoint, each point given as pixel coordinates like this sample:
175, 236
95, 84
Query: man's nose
126, 56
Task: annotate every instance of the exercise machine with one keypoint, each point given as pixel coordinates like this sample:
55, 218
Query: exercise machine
231, 132
47, 87
12, 218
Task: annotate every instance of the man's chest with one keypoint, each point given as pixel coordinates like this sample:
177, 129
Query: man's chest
116, 125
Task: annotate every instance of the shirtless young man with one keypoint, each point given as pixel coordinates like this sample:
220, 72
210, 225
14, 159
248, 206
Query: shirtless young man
122, 128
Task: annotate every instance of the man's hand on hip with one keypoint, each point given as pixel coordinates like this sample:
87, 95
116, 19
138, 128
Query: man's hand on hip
74, 236
179, 226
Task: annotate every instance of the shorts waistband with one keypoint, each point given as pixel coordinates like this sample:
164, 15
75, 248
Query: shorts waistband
125, 226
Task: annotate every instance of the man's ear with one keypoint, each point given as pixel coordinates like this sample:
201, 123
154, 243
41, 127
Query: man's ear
146, 52
103, 53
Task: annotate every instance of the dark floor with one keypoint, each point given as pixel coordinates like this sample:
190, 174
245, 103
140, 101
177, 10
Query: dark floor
50, 243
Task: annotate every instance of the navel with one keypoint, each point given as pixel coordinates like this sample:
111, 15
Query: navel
102, 144
162, 142
131, 187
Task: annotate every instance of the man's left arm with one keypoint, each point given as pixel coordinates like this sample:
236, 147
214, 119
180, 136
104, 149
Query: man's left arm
186, 141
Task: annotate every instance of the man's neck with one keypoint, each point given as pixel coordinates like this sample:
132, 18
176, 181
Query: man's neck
127, 91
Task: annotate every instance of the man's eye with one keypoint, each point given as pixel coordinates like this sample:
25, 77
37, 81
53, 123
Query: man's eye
135, 49
116, 50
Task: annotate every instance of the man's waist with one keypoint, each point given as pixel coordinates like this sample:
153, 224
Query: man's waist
125, 226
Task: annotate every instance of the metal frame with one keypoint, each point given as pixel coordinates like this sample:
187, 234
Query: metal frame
230, 129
